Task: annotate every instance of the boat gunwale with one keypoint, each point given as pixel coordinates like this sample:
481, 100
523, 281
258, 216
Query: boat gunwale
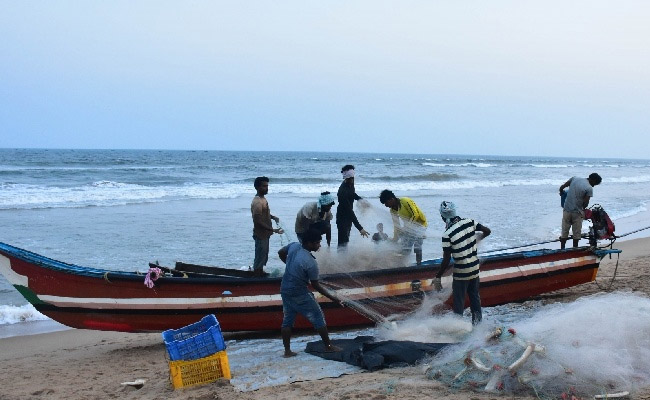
73, 269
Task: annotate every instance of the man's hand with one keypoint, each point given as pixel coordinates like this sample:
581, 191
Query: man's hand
364, 233
279, 231
437, 284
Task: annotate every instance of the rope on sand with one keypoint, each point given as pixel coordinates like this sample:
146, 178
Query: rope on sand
629, 233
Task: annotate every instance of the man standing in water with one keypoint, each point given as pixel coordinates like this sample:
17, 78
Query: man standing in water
302, 270
262, 227
459, 242
412, 230
345, 216
577, 199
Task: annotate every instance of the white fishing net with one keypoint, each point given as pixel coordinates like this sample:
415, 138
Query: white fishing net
593, 346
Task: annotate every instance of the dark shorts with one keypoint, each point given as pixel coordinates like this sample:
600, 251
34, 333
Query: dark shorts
305, 305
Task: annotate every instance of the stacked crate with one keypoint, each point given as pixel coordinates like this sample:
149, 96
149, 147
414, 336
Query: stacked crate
197, 353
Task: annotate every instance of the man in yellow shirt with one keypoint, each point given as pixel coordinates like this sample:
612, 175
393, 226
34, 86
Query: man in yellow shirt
409, 222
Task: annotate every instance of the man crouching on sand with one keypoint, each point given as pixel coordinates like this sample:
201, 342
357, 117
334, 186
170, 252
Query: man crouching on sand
301, 270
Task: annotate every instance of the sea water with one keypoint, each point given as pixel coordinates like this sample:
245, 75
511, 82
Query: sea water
122, 209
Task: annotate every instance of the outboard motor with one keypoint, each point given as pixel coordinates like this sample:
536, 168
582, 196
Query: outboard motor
602, 226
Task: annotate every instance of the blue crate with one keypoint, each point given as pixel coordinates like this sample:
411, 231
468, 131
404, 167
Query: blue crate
198, 340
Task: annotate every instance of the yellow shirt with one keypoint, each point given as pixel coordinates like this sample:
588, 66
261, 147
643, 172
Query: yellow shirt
410, 213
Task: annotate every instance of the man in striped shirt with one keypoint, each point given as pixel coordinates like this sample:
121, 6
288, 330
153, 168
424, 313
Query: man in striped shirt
459, 242
412, 228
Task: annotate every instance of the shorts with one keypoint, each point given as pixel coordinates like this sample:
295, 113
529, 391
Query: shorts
410, 240
571, 220
303, 304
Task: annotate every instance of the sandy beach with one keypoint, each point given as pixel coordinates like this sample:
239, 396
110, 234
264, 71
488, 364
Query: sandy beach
81, 364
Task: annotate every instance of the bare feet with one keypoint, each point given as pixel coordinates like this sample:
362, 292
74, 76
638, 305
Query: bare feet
332, 349
289, 353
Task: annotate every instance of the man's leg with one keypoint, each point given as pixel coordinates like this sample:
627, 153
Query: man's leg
287, 322
459, 290
576, 227
417, 249
344, 228
566, 224
329, 347
257, 261
261, 256
286, 341
475, 300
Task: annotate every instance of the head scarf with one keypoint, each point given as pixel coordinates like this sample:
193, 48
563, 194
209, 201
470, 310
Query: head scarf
348, 174
447, 211
325, 199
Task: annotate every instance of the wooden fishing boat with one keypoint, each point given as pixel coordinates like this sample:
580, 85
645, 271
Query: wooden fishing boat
91, 298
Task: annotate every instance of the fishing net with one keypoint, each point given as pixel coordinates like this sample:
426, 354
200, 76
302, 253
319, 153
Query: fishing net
365, 254
595, 346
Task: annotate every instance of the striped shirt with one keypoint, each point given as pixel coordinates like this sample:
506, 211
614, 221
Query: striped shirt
460, 239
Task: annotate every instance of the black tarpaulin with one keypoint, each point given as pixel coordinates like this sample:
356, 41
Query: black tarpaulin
364, 352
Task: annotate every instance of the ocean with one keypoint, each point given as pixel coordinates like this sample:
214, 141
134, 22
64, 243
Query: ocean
121, 209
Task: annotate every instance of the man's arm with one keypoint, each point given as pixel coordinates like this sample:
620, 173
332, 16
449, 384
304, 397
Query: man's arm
446, 258
322, 290
484, 229
396, 225
565, 185
282, 253
328, 234
346, 198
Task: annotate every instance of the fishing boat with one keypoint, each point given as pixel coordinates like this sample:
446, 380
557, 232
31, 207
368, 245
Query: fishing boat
92, 298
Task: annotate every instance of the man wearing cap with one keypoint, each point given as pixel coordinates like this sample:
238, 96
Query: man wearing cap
345, 216
459, 241
412, 228
316, 215
573, 209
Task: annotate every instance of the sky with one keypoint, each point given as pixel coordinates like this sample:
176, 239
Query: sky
547, 78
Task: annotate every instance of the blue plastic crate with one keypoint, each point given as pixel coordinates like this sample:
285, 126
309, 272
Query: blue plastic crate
198, 340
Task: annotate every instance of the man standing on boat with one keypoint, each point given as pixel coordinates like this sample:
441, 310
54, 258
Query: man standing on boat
316, 215
577, 199
262, 226
459, 242
345, 216
302, 270
412, 228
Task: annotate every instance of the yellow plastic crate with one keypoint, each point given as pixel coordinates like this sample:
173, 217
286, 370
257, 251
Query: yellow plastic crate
199, 371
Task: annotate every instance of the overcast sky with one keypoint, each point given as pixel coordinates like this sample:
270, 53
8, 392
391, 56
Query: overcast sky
550, 78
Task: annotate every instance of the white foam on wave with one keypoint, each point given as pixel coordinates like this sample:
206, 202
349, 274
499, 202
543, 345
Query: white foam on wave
109, 193
630, 179
475, 164
552, 165
16, 314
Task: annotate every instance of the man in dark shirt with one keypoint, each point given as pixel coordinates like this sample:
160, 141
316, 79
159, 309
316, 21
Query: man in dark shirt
345, 216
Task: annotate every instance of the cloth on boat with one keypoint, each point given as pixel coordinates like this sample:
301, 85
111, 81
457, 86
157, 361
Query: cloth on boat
364, 352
